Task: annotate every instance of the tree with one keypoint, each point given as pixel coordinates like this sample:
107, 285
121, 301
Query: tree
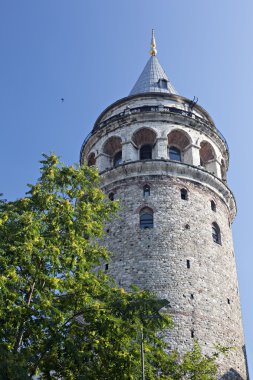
60, 318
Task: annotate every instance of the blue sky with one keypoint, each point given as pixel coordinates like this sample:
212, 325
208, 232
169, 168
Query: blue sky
91, 52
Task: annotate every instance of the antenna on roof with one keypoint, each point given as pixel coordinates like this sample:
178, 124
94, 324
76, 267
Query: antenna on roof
193, 102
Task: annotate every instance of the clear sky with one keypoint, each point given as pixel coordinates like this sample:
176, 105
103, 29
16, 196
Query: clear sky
90, 52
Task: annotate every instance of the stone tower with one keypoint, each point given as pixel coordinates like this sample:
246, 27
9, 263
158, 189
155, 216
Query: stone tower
162, 156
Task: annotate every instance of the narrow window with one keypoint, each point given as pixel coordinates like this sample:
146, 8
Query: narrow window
174, 154
216, 233
146, 152
188, 264
184, 194
117, 159
192, 333
213, 206
146, 218
228, 301
192, 296
111, 196
146, 191
106, 266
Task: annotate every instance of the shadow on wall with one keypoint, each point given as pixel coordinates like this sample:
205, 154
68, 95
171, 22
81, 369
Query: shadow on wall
231, 375
246, 360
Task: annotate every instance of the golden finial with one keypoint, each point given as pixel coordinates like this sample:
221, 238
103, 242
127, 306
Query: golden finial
153, 50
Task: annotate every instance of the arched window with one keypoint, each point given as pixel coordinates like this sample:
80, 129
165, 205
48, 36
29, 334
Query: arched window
146, 191
184, 194
146, 152
113, 151
117, 159
213, 206
146, 218
174, 154
91, 159
216, 233
178, 143
111, 196
206, 153
144, 139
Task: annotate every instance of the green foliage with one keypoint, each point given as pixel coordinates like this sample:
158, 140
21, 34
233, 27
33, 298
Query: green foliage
59, 317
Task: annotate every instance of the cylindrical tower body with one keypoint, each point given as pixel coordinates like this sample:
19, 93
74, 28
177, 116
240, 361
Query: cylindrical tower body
163, 158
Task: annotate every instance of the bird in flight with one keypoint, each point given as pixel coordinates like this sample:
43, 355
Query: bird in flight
62, 100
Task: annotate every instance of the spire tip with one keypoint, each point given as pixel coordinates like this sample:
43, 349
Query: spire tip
153, 50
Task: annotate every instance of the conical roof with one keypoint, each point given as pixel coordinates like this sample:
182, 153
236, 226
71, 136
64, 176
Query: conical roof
153, 79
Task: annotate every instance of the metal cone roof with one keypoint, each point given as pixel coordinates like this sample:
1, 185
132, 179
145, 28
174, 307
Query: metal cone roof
149, 79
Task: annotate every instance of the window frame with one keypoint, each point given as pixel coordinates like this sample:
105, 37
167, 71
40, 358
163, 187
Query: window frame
216, 233
146, 191
145, 153
163, 83
176, 152
117, 159
146, 218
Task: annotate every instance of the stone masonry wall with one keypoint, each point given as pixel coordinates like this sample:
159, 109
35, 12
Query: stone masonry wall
204, 298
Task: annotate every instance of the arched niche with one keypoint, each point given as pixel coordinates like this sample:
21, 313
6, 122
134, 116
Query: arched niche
178, 142
206, 153
112, 148
91, 161
144, 136
144, 139
208, 159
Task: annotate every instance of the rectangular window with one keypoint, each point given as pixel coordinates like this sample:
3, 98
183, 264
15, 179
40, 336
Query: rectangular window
188, 264
106, 266
163, 83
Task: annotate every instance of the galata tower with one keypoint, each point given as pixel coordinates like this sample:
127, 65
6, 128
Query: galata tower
162, 156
